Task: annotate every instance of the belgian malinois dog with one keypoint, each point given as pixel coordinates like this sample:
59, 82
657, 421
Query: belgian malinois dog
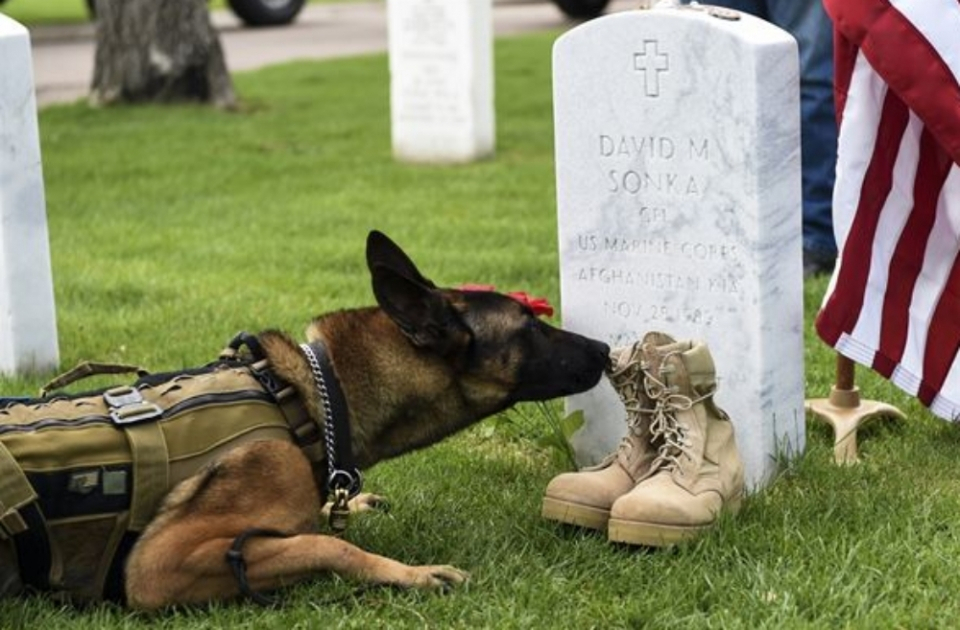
423, 364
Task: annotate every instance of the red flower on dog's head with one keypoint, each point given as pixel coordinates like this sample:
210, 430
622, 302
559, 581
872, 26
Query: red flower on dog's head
539, 305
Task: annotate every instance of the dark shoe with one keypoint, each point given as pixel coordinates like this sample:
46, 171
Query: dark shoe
817, 263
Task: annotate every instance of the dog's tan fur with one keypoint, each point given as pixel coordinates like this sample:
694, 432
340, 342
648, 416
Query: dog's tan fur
426, 363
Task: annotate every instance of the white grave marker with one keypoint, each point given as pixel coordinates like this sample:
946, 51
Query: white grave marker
441, 79
28, 327
678, 183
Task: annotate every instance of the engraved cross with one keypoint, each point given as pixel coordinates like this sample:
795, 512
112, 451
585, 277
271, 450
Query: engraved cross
651, 62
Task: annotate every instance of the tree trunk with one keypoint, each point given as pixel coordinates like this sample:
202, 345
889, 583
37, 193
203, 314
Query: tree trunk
158, 51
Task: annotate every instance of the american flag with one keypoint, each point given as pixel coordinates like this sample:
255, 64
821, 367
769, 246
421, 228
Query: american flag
893, 303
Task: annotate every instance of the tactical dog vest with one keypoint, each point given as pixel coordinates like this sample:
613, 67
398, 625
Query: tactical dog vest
103, 461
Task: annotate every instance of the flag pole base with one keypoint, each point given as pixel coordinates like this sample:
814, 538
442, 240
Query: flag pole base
846, 412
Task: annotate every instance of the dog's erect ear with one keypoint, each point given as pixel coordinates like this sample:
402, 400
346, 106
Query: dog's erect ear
421, 312
382, 251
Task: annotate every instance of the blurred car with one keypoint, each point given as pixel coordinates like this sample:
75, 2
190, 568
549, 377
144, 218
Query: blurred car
266, 12
582, 9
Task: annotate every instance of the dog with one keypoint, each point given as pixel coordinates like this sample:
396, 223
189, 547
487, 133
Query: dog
423, 364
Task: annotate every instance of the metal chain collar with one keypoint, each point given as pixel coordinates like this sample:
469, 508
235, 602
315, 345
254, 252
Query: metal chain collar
337, 478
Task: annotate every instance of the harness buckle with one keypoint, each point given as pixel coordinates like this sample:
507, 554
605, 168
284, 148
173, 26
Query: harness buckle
340, 511
122, 396
11, 524
127, 405
131, 414
349, 480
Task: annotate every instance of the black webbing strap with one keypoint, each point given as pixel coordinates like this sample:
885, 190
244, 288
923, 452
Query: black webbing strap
343, 444
9, 401
244, 338
238, 565
306, 432
113, 586
33, 549
23, 522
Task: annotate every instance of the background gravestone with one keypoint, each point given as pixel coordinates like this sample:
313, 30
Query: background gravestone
441, 79
28, 326
678, 183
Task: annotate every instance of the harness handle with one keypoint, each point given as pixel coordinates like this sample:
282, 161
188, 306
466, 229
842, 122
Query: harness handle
241, 339
85, 369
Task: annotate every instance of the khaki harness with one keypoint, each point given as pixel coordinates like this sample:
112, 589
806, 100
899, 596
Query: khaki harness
107, 458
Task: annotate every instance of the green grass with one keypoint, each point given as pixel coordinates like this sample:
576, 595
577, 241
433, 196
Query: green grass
36, 12
42, 12
172, 228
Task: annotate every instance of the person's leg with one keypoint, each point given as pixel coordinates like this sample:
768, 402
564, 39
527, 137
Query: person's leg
809, 24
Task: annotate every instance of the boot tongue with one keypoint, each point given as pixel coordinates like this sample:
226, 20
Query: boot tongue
673, 396
699, 368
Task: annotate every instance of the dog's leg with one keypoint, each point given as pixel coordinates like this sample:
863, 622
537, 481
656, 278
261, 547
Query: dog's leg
181, 557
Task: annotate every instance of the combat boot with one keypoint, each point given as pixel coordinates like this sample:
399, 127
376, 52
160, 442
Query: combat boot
697, 472
584, 498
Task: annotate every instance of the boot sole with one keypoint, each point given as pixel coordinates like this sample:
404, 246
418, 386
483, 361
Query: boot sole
649, 534
574, 513
657, 534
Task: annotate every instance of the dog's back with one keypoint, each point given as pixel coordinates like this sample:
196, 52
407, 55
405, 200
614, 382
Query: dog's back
82, 475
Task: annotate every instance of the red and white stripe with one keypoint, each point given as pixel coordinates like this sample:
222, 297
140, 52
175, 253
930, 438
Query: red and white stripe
894, 300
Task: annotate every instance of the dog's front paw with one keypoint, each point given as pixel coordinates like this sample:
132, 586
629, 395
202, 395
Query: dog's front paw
367, 502
363, 502
441, 577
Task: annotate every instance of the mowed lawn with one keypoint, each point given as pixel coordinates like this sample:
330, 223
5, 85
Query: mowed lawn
35, 12
174, 227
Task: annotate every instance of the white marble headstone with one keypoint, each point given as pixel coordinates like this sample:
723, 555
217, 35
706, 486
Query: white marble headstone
441, 79
678, 184
28, 326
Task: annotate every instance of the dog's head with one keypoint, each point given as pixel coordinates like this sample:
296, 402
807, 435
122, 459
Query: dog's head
501, 352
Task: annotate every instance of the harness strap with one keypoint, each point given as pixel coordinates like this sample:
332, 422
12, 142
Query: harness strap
306, 432
238, 566
15, 493
34, 555
89, 368
114, 573
241, 339
151, 471
338, 408
22, 521
343, 470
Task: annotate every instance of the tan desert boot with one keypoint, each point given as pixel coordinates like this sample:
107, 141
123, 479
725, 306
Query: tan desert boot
697, 472
584, 498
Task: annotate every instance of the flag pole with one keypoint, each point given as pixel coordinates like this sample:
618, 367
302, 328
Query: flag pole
846, 412
846, 372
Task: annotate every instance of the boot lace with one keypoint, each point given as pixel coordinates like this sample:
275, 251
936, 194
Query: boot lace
665, 428
626, 382
628, 388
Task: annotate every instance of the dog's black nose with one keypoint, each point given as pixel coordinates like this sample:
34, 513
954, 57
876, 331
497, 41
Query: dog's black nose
599, 354
601, 348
